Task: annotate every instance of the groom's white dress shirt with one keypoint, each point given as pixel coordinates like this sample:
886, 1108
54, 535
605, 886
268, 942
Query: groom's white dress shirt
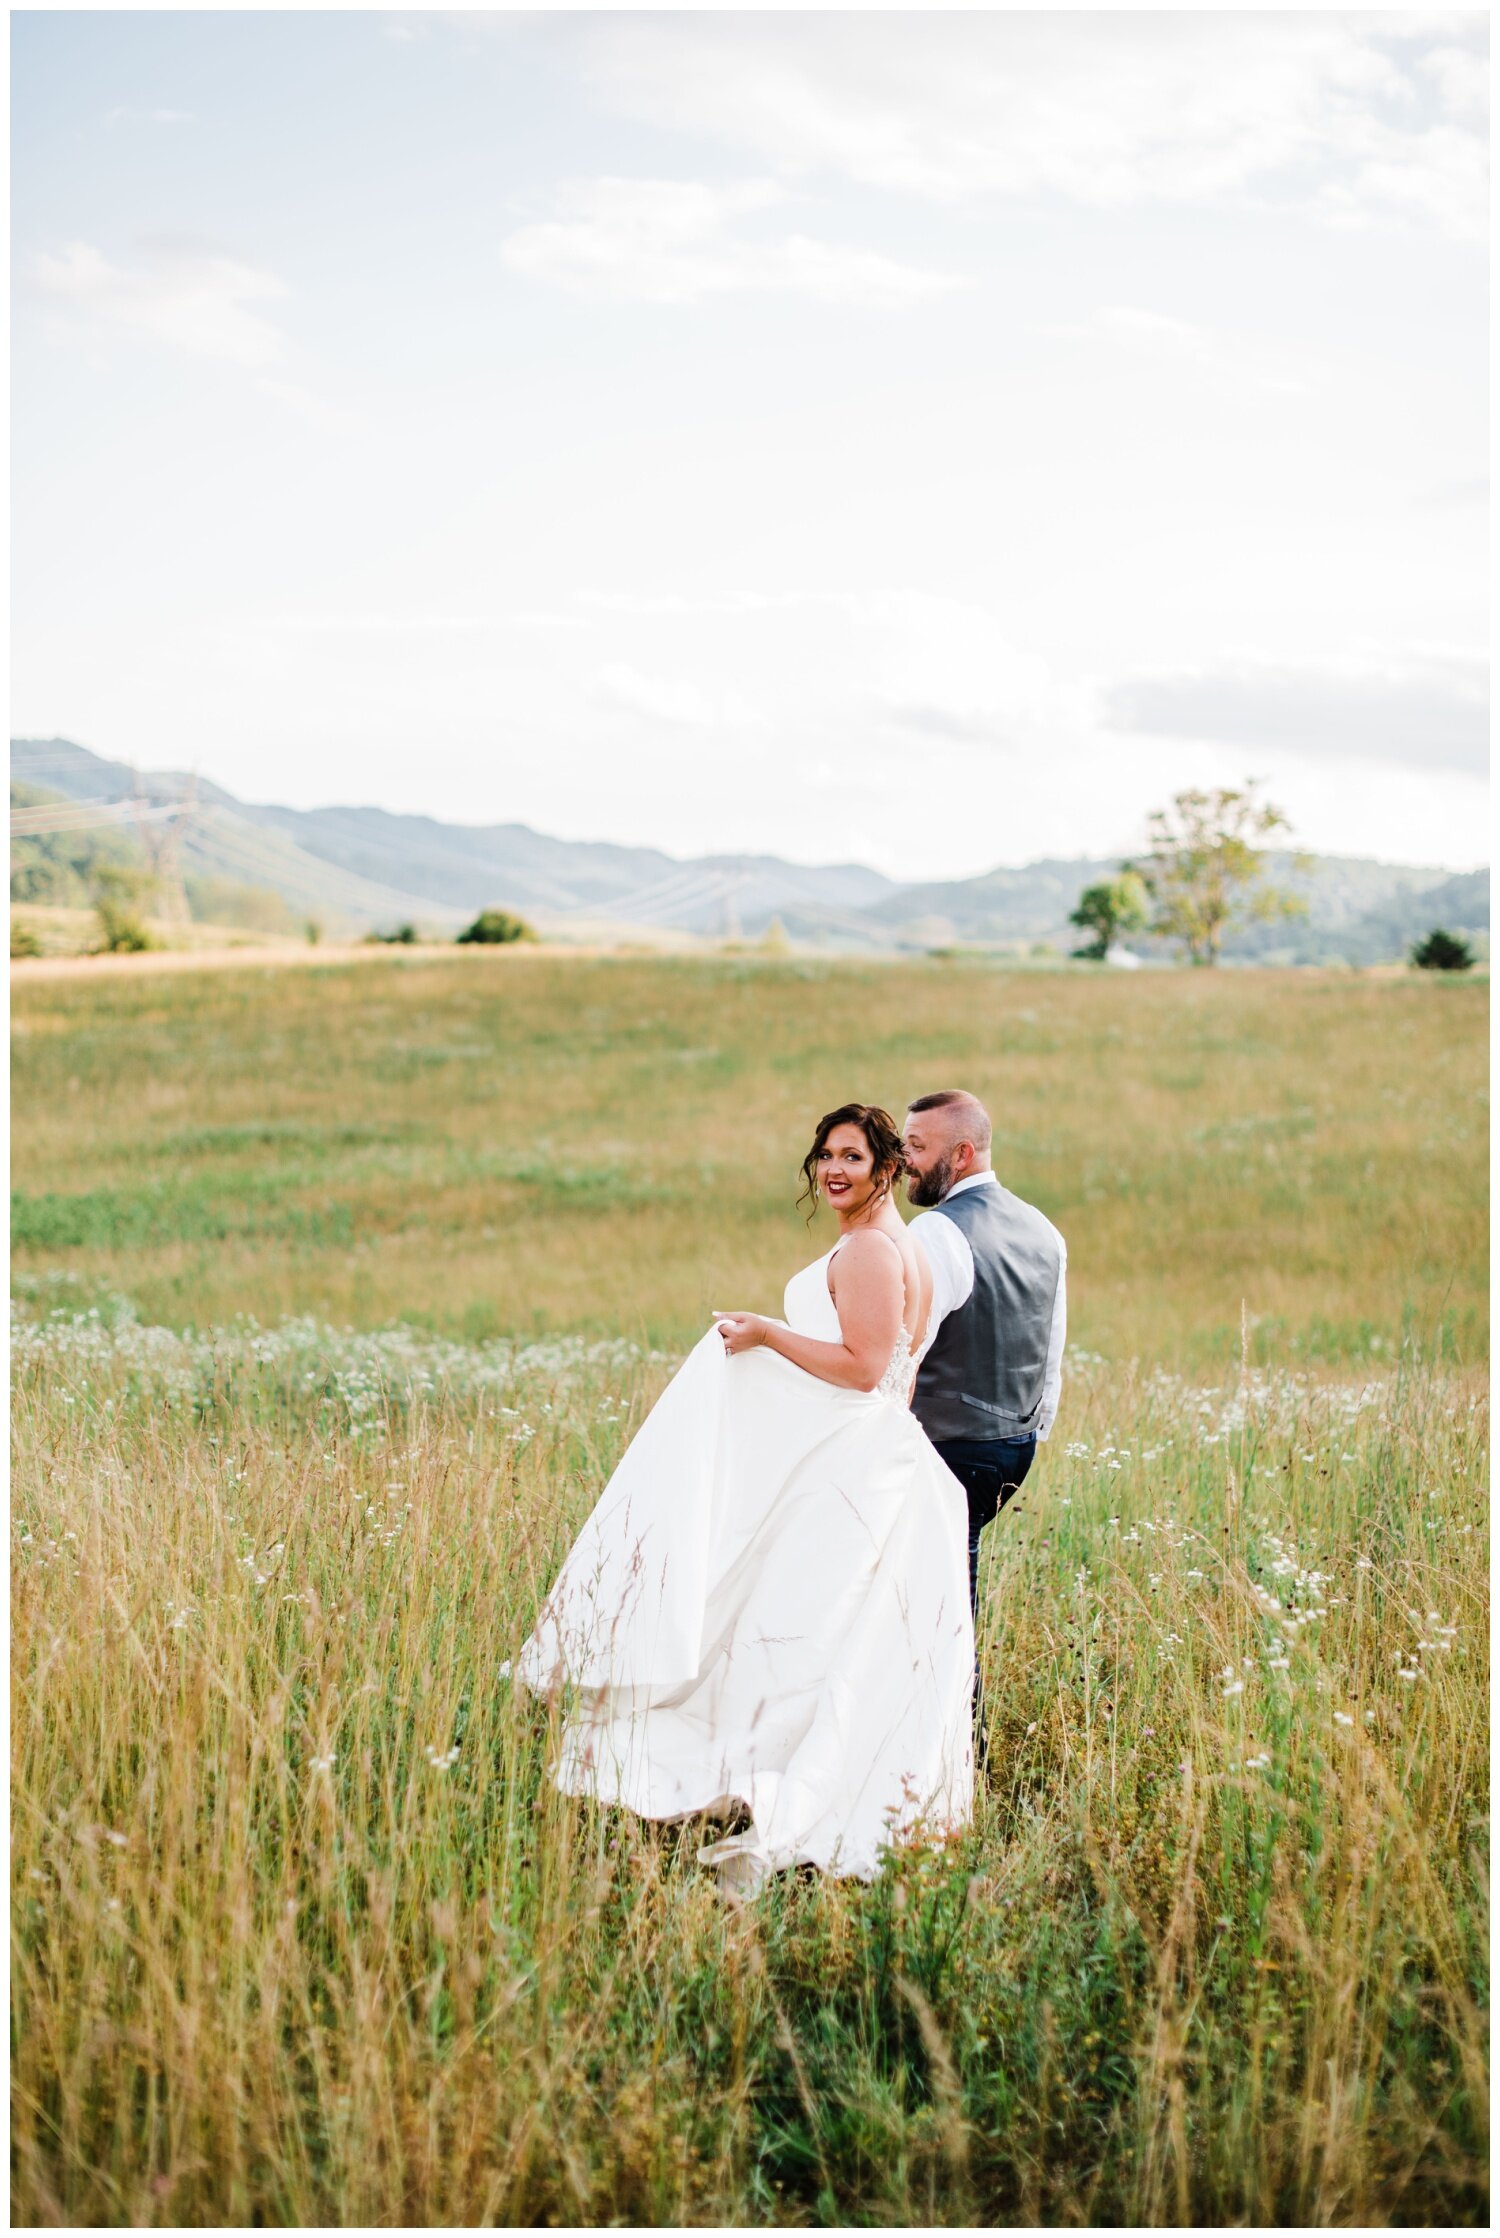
952, 1264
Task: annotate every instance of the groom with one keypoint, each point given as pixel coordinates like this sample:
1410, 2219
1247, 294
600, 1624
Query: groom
988, 1385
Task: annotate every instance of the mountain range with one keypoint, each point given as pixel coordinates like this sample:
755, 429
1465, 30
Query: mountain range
360, 869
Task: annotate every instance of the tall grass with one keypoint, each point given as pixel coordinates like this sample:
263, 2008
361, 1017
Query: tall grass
302, 1933
1214, 1949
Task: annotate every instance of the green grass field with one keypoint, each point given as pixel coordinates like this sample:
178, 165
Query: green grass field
339, 1290
491, 1144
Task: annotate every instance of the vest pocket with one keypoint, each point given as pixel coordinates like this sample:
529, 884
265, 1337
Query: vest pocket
988, 1406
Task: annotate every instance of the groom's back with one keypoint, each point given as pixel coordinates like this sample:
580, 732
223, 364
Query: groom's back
983, 1374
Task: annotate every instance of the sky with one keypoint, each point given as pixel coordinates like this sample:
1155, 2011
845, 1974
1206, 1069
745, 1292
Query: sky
929, 441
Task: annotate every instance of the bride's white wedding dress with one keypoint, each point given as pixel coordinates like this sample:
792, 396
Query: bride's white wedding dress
770, 1603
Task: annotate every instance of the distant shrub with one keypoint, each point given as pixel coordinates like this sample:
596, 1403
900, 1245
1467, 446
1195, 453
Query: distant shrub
224, 901
23, 939
312, 931
122, 931
494, 928
404, 936
1442, 951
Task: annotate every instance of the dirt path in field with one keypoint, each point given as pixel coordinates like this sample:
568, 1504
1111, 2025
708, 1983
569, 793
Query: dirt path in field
25, 969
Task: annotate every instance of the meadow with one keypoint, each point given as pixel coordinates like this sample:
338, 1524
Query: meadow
338, 1291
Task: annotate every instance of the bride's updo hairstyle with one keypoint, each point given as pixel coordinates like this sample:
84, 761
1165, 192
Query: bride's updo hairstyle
880, 1132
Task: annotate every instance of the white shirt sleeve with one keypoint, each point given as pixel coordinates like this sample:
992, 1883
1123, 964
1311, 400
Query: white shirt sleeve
952, 1263
1052, 1380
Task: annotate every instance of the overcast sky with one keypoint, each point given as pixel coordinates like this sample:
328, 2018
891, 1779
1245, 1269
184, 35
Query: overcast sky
922, 440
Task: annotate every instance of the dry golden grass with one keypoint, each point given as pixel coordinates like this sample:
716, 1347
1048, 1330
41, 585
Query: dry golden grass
1215, 1947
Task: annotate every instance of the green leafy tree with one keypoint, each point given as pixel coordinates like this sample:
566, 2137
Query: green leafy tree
495, 928
1442, 951
1114, 907
1205, 873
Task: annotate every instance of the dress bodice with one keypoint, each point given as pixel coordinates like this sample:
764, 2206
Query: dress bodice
809, 1309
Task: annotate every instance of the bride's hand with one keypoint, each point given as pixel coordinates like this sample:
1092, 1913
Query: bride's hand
741, 1332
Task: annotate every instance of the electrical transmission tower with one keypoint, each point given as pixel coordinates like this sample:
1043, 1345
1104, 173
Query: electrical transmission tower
732, 904
162, 841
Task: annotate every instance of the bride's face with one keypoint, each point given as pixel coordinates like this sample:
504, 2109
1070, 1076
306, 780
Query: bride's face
846, 1170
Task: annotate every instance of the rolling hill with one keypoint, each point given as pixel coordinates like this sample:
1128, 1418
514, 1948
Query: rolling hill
361, 868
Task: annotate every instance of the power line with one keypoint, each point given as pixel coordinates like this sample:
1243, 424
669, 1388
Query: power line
85, 815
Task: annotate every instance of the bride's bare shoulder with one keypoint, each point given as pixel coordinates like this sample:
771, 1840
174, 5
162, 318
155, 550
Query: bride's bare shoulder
869, 1251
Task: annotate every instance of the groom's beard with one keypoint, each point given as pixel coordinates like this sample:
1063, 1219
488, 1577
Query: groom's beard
930, 1187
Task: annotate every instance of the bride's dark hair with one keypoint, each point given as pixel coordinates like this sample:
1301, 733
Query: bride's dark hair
880, 1132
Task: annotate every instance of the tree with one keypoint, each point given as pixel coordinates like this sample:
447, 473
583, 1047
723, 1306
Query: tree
117, 893
1442, 951
1204, 871
495, 927
1113, 907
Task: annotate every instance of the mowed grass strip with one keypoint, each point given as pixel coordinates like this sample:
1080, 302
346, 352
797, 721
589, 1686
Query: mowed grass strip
490, 1145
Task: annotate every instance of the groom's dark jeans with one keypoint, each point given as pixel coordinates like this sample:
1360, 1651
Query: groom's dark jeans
991, 1471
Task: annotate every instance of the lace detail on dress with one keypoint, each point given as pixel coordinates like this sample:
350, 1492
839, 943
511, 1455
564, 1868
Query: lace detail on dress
901, 1370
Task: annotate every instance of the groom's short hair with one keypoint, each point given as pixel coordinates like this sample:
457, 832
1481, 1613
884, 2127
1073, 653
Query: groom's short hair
971, 1122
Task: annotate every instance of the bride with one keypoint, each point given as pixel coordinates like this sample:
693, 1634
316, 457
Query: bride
768, 1609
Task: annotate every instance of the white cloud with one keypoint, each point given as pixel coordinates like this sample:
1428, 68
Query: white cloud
316, 411
189, 300
864, 679
195, 301
380, 624
672, 700
678, 241
1462, 491
1462, 78
1321, 109
1229, 359
1430, 714
654, 605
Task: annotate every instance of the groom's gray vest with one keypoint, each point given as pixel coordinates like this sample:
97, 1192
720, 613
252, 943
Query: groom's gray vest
982, 1376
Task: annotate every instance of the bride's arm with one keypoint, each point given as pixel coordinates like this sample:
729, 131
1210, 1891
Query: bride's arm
868, 1287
